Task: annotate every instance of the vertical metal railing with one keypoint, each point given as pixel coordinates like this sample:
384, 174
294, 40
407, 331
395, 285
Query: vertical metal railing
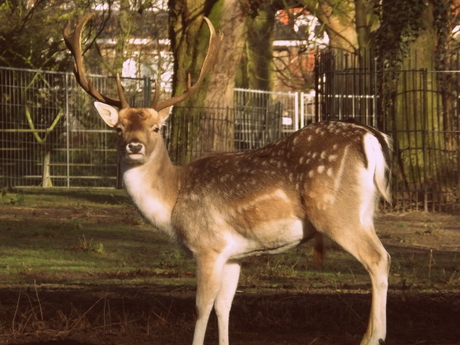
83, 150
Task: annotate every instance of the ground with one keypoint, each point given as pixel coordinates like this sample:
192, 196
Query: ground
85, 314
420, 230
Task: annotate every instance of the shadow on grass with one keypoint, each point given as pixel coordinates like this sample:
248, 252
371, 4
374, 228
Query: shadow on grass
152, 314
56, 342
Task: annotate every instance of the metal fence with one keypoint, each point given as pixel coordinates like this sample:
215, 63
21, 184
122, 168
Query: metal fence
418, 108
50, 134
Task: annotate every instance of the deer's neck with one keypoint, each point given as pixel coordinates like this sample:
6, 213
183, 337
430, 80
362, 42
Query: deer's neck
153, 187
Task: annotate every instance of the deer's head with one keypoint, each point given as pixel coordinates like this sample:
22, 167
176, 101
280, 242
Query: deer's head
138, 128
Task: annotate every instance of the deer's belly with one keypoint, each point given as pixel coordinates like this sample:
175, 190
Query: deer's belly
271, 237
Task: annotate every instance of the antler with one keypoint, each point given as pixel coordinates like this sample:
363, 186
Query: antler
73, 42
209, 61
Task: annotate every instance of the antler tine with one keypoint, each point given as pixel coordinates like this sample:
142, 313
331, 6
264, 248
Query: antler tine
209, 61
73, 42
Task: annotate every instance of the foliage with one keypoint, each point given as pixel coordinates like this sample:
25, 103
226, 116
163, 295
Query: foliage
401, 23
31, 35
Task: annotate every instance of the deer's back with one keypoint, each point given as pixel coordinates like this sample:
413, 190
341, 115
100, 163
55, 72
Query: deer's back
274, 190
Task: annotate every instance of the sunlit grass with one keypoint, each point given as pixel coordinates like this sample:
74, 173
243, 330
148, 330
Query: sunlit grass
101, 237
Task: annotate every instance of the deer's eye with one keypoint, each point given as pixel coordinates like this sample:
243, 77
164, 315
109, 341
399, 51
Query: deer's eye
155, 129
119, 130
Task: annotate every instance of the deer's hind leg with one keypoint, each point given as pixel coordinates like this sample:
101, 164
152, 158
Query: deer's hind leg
361, 241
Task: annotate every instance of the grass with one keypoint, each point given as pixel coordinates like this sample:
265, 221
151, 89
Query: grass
93, 235
80, 237
70, 260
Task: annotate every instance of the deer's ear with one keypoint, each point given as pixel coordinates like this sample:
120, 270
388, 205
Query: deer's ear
108, 113
164, 113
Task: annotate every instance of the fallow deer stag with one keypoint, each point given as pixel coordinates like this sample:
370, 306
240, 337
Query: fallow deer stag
323, 179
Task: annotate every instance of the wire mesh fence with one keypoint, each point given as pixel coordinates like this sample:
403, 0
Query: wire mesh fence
50, 134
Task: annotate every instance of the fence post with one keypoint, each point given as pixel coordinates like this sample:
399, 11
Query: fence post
317, 87
296, 111
374, 98
147, 91
67, 137
302, 109
424, 140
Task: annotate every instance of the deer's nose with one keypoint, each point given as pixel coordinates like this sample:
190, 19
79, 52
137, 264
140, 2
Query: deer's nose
134, 147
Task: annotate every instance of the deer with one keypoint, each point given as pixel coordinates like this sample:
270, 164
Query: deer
323, 180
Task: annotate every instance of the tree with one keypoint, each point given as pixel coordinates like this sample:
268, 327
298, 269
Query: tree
338, 18
31, 32
257, 70
189, 38
411, 39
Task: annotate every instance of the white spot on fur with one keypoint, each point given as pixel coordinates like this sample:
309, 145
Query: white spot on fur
321, 169
329, 199
338, 179
332, 158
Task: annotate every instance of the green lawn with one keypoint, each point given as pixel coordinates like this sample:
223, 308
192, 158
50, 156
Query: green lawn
95, 236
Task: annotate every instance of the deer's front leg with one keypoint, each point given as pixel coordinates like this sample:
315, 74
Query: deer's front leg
223, 303
210, 268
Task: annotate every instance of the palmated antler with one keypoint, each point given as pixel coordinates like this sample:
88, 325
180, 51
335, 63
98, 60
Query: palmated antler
73, 42
209, 61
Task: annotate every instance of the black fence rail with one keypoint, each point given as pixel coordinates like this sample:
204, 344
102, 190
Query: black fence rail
50, 134
418, 108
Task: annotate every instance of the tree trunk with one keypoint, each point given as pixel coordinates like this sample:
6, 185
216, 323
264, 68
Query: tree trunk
362, 25
418, 111
46, 178
123, 31
207, 131
258, 67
